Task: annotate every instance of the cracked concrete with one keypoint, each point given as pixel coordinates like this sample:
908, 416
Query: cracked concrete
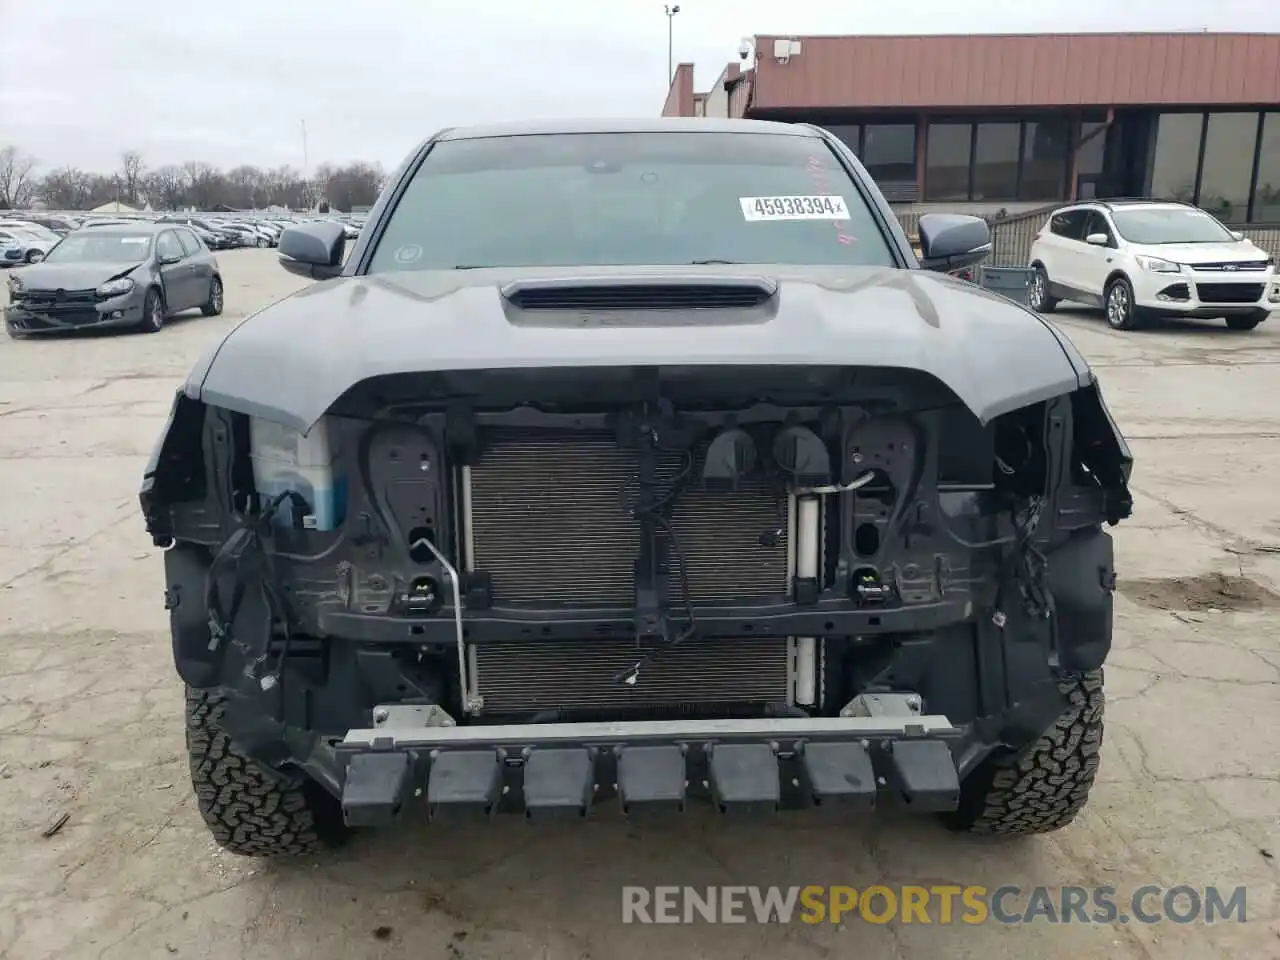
91, 718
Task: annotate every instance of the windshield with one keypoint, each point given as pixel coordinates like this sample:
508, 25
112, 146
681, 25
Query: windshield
630, 199
101, 246
1170, 226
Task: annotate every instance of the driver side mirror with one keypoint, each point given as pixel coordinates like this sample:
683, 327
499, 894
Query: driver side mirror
35, 256
1098, 239
950, 241
1237, 235
313, 250
167, 259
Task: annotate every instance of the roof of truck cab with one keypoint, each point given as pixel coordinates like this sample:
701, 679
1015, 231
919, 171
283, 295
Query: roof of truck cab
525, 128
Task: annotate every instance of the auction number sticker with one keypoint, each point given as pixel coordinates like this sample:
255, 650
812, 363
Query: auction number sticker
794, 208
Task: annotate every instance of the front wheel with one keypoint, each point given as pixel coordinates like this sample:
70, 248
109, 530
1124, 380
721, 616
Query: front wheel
213, 306
1047, 786
152, 312
247, 809
1038, 297
1122, 314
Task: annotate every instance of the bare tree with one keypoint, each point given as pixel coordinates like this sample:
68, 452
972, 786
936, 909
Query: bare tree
287, 188
167, 187
68, 189
247, 187
131, 174
206, 186
192, 184
356, 184
16, 181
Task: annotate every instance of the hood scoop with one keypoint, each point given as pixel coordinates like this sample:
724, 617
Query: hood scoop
640, 293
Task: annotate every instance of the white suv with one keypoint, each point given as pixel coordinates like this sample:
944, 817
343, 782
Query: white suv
1143, 258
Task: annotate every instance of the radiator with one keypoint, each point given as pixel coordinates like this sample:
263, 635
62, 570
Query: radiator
549, 524
697, 675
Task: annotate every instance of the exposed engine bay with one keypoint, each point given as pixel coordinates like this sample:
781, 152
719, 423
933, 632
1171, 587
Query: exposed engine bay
636, 543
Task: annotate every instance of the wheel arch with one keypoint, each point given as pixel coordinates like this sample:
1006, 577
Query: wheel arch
1119, 273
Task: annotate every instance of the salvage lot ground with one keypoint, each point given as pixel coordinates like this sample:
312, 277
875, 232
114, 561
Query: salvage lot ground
91, 715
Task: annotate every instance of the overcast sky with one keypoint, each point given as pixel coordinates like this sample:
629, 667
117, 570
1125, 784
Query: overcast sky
232, 81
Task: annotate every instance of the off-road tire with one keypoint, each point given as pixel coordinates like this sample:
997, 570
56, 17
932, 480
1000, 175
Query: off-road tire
249, 810
1044, 789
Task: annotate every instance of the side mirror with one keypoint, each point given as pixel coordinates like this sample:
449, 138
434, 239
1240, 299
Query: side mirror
1097, 239
951, 241
170, 258
35, 256
1237, 235
313, 250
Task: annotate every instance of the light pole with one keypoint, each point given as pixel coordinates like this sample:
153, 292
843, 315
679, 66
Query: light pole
671, 17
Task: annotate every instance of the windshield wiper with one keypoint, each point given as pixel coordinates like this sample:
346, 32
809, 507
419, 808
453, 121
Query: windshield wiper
704, 263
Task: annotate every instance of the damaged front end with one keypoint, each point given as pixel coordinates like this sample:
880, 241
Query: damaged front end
772, 586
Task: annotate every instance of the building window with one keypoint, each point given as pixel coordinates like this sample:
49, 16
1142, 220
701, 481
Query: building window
949, 152
1266, 196
1174, 167
849, 134
1046, 145
1091, 157
1228, 165
998, 160
995, 161
889, 152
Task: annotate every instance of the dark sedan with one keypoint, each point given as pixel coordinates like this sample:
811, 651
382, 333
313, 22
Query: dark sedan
132, 275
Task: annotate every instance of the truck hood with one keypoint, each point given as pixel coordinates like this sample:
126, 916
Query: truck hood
292, 360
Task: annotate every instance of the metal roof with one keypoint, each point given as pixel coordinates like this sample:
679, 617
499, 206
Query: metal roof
1020, 70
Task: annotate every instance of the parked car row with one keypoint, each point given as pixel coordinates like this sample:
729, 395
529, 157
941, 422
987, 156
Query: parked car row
124, 271
29, 238
25, 241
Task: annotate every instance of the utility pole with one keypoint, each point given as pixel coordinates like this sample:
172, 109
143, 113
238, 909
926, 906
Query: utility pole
306, 165
671, 17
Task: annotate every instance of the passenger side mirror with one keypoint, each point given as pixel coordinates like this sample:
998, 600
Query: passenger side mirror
168, 259
1237, 235
35, 256
950, 241
1097, 239
313, 250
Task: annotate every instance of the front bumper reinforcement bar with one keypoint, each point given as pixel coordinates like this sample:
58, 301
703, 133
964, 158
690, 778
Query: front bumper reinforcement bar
557, 770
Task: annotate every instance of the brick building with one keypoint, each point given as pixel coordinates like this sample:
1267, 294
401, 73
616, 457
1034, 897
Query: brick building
1014, 122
